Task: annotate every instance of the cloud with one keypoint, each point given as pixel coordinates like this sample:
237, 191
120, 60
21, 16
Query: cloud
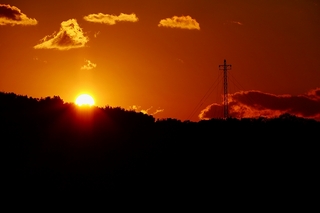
236, 22
145, 111
183, 22
110, 19
37, 59
70, 36
233, 22
157, 111
96, 34
89, 65
180, 60
255, 103
11, 15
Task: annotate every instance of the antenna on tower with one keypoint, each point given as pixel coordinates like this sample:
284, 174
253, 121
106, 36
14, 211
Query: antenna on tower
225, 67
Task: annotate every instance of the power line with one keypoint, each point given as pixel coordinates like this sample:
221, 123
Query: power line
204, 98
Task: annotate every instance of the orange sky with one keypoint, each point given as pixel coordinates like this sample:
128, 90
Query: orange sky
162, 57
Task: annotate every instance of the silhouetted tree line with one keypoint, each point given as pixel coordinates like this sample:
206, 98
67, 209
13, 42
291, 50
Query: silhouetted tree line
49, 145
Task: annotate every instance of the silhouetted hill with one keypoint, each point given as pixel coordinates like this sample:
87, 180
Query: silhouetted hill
49, 145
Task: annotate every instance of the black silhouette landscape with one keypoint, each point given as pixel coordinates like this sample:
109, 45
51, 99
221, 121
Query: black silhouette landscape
52, 146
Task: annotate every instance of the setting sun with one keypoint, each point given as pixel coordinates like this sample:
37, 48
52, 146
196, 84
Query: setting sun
84, 99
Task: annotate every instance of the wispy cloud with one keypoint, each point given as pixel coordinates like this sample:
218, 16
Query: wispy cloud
39, 60
11, 15
111, 19
157, 111
145, 111
230, 23
236, 22
89, 65
255, 103
69, 36
182, 22
96, 34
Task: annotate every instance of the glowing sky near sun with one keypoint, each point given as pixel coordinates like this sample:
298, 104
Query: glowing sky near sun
162, 57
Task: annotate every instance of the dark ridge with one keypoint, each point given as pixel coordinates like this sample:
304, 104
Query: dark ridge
52, 146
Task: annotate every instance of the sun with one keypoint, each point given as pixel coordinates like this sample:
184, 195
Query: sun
84, 99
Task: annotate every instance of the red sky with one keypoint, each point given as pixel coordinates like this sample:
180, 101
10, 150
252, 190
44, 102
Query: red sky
162, 57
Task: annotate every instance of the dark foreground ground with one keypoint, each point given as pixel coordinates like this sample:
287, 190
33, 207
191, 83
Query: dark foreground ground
50, 146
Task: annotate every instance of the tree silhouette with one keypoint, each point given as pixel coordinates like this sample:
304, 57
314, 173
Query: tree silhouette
50, 145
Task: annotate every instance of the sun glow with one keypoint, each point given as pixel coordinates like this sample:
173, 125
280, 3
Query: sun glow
84, 100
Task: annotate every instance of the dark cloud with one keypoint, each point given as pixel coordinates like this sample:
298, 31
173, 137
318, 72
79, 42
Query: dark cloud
256, 103
11, 15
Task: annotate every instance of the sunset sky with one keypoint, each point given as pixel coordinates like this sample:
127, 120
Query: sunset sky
162, 57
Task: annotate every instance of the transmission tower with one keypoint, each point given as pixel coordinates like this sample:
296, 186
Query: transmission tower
225, 67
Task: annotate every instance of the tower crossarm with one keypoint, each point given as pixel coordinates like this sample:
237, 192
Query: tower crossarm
225, 67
